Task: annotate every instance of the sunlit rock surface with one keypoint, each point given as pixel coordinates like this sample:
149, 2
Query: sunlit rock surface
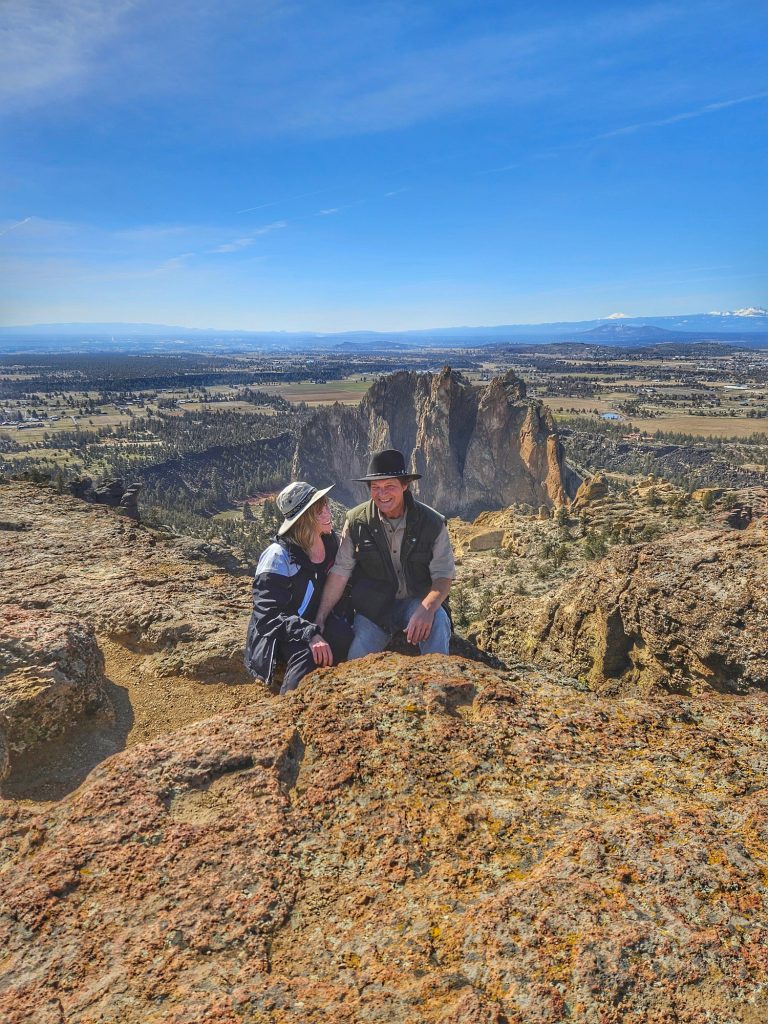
405, 840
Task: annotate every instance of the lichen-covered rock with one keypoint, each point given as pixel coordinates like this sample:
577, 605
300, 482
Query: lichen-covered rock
125, 581
477, 447
407, 841
688, 613
51, 674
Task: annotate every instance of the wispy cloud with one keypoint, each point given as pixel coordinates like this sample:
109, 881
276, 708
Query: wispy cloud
243, 243
554, 152
329, 212
176, 262
235, 246
395, 192
51, 48
687, 115
357, 69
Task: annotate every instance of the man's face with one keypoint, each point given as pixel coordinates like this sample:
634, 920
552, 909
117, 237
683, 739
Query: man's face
388, 496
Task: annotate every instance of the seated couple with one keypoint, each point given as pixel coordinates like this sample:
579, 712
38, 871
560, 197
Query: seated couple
394, 554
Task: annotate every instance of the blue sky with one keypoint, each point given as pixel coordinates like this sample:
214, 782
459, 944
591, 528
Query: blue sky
276, 164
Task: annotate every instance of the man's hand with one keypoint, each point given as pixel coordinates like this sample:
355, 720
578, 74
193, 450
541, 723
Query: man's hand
419, 625
321, 650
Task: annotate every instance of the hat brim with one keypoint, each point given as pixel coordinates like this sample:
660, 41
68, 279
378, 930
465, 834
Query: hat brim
387, 476
289, 521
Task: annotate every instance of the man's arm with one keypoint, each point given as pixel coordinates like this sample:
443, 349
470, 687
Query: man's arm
337, 578
442, 569
332, 591
420, 623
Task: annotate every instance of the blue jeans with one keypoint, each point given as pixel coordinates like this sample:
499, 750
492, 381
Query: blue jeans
370, 638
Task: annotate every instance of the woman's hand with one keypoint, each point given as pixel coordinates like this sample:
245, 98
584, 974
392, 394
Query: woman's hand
321, 650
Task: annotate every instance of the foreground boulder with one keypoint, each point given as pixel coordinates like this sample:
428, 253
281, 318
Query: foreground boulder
688, 613
477, 446
52, 675
405, 840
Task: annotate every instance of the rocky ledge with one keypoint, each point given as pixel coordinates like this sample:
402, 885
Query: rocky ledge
405, 840
128, 583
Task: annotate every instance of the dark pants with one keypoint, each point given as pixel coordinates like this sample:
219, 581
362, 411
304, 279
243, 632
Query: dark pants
298, 656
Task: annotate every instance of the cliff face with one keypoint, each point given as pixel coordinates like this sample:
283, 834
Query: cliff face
476, 447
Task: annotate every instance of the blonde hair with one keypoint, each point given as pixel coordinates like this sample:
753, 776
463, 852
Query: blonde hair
303, 530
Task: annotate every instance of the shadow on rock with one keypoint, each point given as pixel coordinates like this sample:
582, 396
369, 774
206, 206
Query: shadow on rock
56, 768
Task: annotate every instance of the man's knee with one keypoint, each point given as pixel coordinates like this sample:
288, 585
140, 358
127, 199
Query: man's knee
439, 636
369, 638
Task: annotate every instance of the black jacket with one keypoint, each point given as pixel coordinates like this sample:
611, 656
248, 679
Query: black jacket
287, 588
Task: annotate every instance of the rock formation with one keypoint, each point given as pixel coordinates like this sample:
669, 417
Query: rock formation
112, 492
687, 613
80, 576
418, 840
593, 489
477, 447
130, 584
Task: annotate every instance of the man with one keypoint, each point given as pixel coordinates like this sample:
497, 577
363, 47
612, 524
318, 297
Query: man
397, 554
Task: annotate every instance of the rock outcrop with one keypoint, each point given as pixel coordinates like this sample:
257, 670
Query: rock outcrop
113, 493
687, 614
52, 674
591, 490
418, 840
477, 447
78, 581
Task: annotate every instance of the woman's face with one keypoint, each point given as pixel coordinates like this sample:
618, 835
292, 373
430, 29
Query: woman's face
323, 520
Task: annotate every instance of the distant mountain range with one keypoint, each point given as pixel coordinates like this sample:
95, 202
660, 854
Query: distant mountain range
746, 326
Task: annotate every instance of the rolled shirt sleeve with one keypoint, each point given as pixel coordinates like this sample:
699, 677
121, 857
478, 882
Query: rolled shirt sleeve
345, 556
442, 565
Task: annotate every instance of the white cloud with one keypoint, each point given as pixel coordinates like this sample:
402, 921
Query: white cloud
242, 243
266, 67
329, 212
274, 226
176, 262
239, 243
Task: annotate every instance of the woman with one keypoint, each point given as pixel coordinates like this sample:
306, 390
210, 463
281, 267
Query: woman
286, 592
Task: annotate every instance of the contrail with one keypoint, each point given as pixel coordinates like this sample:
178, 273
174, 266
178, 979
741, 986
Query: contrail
16, 225
288, 199
687, 115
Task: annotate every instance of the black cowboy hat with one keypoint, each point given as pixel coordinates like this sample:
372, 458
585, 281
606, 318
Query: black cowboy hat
390, 463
